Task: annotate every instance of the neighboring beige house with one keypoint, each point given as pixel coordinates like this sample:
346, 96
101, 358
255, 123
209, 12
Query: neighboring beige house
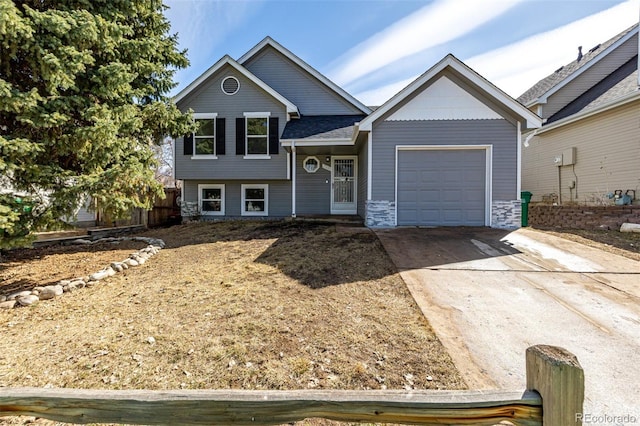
589, 145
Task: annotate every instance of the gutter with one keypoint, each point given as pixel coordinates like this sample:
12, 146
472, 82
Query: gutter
631, 97
293, 179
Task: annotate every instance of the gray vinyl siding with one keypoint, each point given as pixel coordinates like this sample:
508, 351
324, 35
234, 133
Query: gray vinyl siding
209, 98
499, 133
607, 158
313, 190
279, 196
590, 77
363, 158
294, 83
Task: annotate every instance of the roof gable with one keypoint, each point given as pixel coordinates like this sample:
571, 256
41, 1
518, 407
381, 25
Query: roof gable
549, 85
444, 100
528, 118
268, 43
291, 108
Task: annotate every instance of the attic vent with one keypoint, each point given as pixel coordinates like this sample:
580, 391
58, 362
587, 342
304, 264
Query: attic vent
230, 85
594, 48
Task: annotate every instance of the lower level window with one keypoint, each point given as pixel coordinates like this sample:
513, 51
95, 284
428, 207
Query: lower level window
255, 200
211, 199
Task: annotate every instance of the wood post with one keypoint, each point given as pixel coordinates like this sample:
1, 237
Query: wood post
557, 376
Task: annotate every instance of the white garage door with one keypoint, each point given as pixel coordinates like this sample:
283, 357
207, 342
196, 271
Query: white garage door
442, 187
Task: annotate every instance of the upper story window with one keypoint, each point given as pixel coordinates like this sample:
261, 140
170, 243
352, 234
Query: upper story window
257, 136
207, 142
205, 137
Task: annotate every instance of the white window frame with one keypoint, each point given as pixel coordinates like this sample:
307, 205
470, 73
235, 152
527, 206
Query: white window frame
202, 186
312, 157
205, 116
227, 78
244, 187
248, 156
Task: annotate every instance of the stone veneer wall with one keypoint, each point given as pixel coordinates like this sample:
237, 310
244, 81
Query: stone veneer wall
582, 217
506, 214
380, 214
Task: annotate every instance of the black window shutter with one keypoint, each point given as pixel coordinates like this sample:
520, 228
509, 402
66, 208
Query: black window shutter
274, 136
220, 132
188, 144
240, 136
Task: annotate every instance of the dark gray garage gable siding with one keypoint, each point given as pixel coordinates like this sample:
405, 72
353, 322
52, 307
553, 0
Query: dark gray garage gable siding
499, 133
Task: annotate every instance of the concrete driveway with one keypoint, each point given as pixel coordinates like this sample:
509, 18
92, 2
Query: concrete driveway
490, 294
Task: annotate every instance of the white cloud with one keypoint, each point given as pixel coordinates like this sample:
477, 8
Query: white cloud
377, 97
203, 26
518, 66
437, 23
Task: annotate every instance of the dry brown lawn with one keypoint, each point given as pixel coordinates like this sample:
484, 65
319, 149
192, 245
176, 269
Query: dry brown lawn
250, 305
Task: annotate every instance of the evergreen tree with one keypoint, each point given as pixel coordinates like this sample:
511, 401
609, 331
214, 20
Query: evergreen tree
83, 99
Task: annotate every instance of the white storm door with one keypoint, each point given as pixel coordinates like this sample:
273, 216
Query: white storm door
344, 184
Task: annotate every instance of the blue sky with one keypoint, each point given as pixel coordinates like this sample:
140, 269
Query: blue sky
373, 48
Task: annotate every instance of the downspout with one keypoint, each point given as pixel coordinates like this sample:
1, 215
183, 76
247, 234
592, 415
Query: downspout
293, 179
519, 160
559, 185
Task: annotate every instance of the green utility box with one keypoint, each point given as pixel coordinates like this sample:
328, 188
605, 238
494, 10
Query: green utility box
526, 199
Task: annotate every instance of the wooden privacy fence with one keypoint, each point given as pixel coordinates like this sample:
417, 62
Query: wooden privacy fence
165, 211
554, 396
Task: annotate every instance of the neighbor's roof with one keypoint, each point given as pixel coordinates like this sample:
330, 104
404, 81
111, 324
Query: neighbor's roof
567, 72
316, 127
614, 87
530, 119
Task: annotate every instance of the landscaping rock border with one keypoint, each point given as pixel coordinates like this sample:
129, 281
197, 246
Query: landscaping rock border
38, 293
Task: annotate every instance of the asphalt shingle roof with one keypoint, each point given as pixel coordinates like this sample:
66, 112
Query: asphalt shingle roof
549, 82
621, 82
321, 127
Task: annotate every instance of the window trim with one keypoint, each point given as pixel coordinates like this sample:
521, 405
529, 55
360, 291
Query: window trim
220, 186
227, 78
243, 194
205, 116
311, 157
248, 115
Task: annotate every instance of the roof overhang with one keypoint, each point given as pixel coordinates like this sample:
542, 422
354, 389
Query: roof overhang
318, 142
292, 109
626, 99
308, 68
528, 118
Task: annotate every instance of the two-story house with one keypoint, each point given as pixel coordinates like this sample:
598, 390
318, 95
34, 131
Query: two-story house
278, 139
588, 148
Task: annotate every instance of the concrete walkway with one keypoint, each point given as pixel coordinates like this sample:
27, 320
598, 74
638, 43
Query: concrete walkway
490, 294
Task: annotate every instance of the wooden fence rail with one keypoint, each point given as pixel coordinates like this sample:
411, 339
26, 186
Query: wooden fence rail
556, 402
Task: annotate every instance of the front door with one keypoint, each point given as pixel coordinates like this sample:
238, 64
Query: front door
344, 185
